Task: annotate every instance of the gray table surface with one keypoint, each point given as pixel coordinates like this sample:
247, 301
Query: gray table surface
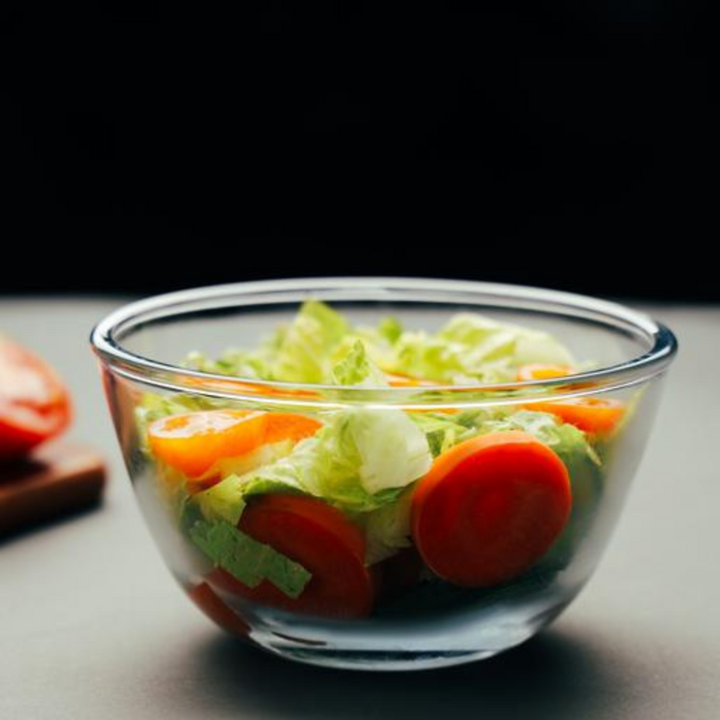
92, 626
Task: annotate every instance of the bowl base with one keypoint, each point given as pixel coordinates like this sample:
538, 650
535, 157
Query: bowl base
374, 661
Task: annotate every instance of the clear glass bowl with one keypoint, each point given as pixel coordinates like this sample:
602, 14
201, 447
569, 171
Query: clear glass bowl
425, 622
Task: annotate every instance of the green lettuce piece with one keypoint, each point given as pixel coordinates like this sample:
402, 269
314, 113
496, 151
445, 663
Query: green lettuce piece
255, 364
469, 348
387, 529
489, 340
227, 499
304, 347
444, 430
390, 329
223, 501
246, 559
154, 406
360, 460
473, 348
356, 368
363, 452
569, 442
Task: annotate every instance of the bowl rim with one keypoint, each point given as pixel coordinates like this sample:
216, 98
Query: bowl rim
107, 346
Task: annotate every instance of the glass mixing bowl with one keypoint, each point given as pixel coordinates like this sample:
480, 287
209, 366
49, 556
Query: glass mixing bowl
412, 617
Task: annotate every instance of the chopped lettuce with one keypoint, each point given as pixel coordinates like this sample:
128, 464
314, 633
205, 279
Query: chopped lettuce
363, 457
387, 529
390, 328
227, 499
356, 368
303, 353
444, 430
473, 348
469, 348
253, 364
566, 440
360, 460
154, 406
246, 559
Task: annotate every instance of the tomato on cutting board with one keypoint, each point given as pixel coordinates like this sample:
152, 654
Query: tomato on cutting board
34, 402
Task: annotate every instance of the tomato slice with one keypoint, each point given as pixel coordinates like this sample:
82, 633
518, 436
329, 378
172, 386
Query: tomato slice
34, 402
323, 541
194, 442
220, 613
490, 507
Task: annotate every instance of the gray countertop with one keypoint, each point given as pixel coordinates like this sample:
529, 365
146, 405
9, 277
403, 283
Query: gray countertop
92, 625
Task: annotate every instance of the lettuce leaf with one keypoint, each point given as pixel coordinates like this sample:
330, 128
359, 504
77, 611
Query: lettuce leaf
444, 430
360, 460
472, 348
387, 529
469, 348
255, 364
569, 442
304, 347
356, 368
246, 559
364, 456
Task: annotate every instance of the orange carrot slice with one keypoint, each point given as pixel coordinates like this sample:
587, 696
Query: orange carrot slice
590, 414
395, 380
490, 507
193, 442
542, 371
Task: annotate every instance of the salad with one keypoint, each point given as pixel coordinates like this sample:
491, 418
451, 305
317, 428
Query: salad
354, 512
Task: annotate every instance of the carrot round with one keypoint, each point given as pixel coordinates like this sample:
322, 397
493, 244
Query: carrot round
323, 541
396, 380
590, 414
490, 507
542, 371
220, 613
194, 442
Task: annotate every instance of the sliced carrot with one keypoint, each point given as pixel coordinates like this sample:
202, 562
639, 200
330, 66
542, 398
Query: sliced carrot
238, 386
193, 442
220, 613
542, 371
490, 507
590, 414
323, 541
396, 380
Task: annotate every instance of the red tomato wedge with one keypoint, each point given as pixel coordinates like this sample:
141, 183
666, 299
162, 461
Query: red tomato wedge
490, 507
207, 600
323, 541
193, 442
34, 402
590, 414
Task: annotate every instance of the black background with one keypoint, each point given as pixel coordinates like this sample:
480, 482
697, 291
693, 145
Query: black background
569, 145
